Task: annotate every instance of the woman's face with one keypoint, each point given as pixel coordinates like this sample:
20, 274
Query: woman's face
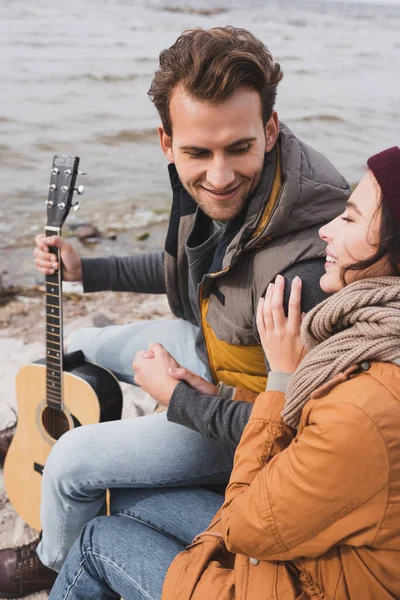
354, 236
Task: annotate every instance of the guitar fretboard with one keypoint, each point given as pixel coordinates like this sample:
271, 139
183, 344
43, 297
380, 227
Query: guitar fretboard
54, 333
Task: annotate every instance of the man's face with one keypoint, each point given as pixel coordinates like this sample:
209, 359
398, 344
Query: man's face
218, 149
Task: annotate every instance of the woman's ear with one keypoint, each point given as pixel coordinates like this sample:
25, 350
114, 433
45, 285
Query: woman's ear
165, 143
271, 131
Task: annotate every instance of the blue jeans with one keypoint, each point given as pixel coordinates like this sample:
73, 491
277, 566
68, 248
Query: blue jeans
146, 452
115, 347
128, 555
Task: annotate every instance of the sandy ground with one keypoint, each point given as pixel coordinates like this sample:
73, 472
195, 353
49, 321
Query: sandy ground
22, 341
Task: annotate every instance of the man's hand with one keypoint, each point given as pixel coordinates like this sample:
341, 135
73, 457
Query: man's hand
195, 381
46, 262
153, 375
280, 336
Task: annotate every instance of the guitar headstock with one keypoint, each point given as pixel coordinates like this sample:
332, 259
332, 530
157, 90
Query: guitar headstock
61, 189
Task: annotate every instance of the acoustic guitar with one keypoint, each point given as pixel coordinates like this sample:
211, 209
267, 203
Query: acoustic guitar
61, 391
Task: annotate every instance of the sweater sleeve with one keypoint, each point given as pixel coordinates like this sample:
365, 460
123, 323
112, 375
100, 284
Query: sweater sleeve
142, 273
287, 500
310, 272
213, 416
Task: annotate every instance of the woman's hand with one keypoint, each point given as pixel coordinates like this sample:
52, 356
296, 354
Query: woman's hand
280, 336
153, 375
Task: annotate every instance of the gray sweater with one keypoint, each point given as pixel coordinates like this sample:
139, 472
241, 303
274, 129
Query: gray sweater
216, 417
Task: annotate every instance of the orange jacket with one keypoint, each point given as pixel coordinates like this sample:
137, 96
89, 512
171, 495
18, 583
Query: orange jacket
307, 514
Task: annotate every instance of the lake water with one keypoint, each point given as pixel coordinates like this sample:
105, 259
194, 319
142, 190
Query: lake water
74, 77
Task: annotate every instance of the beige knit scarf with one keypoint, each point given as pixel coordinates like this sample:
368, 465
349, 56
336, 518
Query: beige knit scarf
359, 323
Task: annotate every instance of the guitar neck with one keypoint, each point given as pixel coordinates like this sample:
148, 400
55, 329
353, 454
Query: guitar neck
61, 189
54, 331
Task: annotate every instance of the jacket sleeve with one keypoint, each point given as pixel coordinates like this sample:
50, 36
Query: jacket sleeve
327, 487
142, 273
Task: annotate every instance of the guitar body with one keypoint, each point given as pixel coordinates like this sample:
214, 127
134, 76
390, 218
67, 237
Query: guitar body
91, 395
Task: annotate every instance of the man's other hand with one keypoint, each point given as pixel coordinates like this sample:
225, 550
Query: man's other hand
151, 369
195, 381
46, 262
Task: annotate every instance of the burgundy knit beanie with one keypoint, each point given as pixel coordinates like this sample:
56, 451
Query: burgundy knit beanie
386, 168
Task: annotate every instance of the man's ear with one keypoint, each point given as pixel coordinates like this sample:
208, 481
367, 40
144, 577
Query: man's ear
165, 143
272, 131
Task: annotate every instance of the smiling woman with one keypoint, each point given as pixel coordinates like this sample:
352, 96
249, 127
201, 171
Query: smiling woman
362, 242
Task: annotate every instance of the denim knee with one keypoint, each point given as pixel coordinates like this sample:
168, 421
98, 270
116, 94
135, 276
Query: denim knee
69, 462
90, 532
76, 341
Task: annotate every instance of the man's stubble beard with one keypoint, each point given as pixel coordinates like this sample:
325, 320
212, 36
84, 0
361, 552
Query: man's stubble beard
219, 213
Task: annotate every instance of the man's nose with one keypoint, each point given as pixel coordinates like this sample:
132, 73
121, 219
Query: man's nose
220, 175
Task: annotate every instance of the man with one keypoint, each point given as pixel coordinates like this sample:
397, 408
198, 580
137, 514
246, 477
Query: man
248, 200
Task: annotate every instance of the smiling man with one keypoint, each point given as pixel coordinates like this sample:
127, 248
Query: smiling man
248, 200
219, 160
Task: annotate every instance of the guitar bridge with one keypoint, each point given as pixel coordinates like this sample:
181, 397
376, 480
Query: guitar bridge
38, 468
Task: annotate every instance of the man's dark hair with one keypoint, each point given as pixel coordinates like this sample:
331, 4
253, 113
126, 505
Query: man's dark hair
211, 65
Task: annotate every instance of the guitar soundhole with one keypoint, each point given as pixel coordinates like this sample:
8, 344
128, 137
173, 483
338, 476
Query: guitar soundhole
55, 422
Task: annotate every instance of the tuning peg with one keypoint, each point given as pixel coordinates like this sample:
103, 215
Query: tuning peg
49, 203
82, 173
80, 189
76, 206
52, 187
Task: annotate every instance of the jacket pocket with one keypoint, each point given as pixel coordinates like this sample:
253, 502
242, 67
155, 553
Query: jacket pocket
203, 570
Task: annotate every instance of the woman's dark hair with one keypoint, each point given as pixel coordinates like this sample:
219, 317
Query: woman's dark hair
211, 65
388, 245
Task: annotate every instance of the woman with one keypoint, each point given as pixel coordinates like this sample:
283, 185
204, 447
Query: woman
313, 504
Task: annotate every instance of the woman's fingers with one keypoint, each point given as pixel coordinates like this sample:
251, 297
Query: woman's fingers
260, 318
270, 311
294, 312
267, 309
265, 322
278, 313
280, 335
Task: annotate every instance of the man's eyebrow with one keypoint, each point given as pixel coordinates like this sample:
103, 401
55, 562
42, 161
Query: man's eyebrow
350, 204
242, 141
236, 143
193, 148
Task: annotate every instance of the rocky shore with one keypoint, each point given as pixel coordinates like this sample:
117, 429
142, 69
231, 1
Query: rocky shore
22, 341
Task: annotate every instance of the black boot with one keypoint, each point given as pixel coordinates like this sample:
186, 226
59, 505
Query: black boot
6, 437
22, 573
